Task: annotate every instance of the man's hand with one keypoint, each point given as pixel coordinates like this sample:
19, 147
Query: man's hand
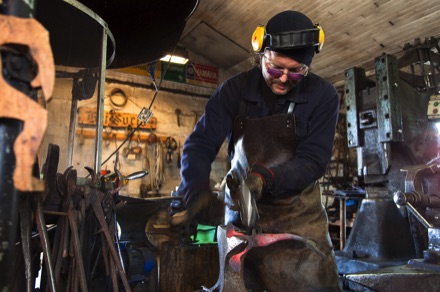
255, 185
260, 178
206, 209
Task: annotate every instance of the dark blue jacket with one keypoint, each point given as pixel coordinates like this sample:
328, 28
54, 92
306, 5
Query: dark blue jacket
316, 113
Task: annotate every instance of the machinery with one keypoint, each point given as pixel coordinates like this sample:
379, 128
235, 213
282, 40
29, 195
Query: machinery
392, 122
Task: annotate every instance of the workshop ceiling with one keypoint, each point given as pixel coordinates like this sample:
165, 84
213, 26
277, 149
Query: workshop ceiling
356, 32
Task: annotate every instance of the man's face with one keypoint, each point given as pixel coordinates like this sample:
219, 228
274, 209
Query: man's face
280, 72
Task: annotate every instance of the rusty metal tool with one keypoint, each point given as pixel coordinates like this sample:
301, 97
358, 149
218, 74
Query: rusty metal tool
45, 244
24, 206
71, 179
67, 240
99, 213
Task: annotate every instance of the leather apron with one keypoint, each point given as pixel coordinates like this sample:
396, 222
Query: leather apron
285, 265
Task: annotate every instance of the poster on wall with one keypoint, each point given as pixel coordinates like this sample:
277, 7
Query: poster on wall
173, 72
202, 75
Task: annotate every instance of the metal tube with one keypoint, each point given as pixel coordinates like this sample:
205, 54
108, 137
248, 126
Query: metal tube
77, 248
418, 216
20, 8
72, 126
45, 244
24, 207
100, 101
343, 223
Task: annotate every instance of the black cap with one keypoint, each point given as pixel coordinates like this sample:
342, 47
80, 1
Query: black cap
287, 21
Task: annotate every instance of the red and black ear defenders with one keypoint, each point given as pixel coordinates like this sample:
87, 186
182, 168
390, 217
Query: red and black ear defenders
287, 40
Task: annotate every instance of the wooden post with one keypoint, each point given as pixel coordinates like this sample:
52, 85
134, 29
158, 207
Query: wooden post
186, 268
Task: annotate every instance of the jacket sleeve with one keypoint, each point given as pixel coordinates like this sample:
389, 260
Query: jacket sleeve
314, 150
202, 145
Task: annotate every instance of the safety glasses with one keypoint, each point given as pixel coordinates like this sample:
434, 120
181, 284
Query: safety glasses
298, 73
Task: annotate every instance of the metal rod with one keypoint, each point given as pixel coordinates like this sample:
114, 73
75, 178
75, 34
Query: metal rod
37, 234
41, 225
99, 213
24, 207
72, 126
418, 216
77, 248
343, 222
55, 213
100, 101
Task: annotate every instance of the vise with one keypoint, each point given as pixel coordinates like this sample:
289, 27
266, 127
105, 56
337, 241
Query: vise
421, 202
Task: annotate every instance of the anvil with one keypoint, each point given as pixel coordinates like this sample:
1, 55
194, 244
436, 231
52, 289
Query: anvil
229, 239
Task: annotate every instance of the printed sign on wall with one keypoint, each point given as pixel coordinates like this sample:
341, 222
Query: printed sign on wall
202, 75
173, 72
87, 116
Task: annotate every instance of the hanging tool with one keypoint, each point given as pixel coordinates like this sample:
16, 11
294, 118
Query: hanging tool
178, 112
158, 168
179, 163
171, 145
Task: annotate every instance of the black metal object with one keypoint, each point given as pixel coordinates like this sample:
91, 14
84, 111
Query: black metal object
142, 210
75, 33
143, 31
20, 8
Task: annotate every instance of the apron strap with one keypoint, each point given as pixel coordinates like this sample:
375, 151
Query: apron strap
290, 114
291, 107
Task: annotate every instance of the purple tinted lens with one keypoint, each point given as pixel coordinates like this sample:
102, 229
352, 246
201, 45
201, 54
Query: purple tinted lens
274, 73
278, 73
295, 76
